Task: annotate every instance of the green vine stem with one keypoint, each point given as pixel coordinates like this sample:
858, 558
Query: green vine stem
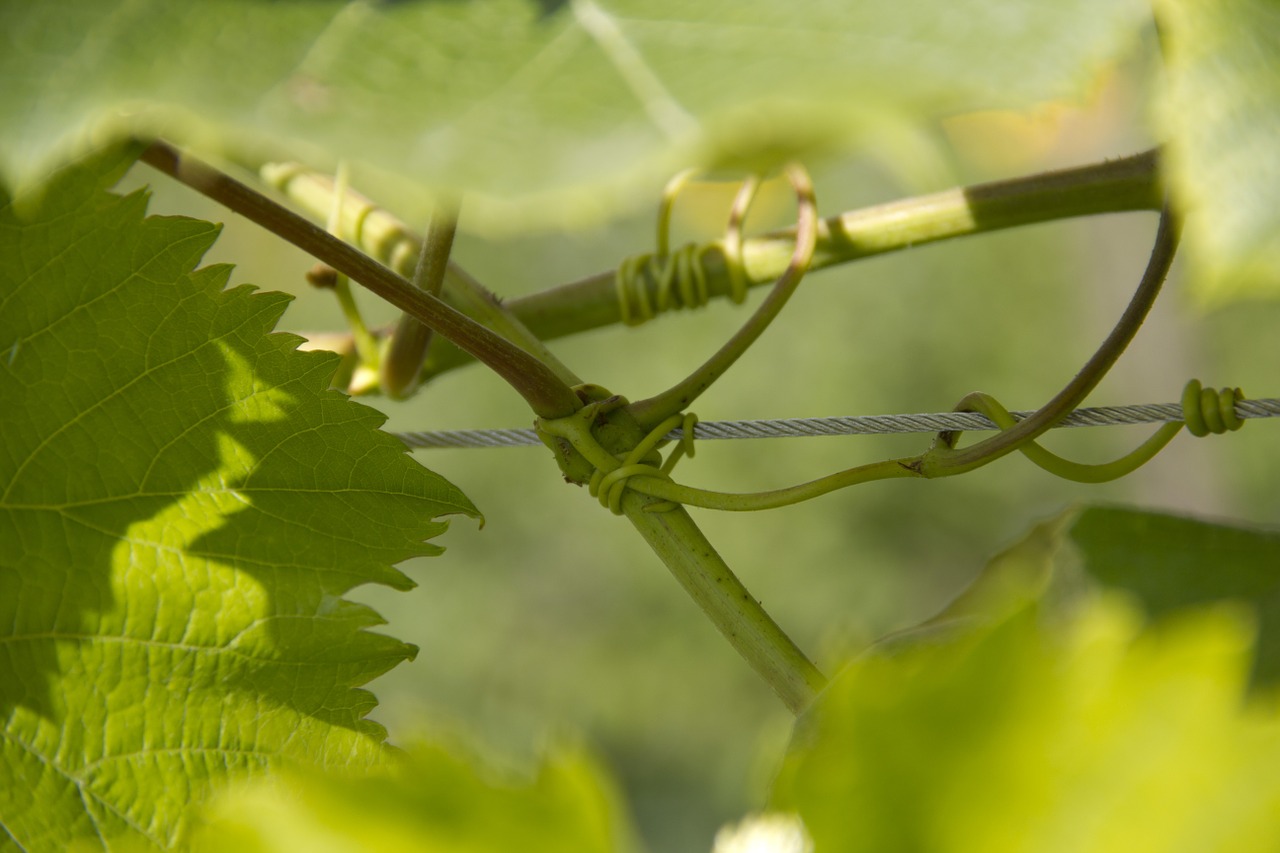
409, 341
545, 392
671, 533
709, 581
386, 238
1115, 186
475, 300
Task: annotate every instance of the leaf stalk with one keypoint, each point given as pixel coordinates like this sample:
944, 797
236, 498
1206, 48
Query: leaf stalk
546, 394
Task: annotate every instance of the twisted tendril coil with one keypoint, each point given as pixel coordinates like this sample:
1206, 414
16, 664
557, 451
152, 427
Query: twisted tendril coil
680, 277
1206, 411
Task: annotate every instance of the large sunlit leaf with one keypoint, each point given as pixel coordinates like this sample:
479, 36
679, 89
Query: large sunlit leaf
1096, 737
1221, 115
431, 800
542, 111
183, 506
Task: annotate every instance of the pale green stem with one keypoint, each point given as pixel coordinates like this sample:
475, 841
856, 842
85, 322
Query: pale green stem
694, 562
1116, 186
1128, 184
409, 342
709, 581
366, 344
389, 240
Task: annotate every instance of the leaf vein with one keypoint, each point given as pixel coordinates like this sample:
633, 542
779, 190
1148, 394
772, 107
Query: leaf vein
659, 104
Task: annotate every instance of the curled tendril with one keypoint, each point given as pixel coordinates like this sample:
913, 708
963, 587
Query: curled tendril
610, 486
733, 239
678, 397
680, 276
1208, 411
643, 470
1204, 411
686, 423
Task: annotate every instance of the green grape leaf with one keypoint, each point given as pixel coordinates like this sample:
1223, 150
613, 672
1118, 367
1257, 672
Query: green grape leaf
542, 112
1097, 736
1163, 563
432, 799
1169, 563
1016, 577
183, 505
1221, 116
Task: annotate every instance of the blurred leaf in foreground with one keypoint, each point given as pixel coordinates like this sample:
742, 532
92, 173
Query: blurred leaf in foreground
430, 799
1169, 563
1221, 116
183, 507
1097, 737
542, 113
1164, 564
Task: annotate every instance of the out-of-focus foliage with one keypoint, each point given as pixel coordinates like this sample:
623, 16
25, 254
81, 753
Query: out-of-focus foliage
541, 111
183, 507
1221, 117
772, 832
1164, 563
429, 800
1093, 737
1169, 563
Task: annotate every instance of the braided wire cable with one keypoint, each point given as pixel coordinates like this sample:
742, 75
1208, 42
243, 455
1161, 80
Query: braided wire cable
857, 425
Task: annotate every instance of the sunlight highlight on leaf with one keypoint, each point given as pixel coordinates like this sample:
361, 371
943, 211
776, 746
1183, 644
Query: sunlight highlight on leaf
1221, 114
185, 506
1103, 738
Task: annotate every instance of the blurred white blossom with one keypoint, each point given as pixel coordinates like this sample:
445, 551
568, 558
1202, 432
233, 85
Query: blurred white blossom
764, 833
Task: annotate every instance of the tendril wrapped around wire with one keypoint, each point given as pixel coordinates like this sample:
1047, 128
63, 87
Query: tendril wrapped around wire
610, 487
1208, 411
1205, 411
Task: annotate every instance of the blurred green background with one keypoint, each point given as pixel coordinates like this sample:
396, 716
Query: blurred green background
555, 618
